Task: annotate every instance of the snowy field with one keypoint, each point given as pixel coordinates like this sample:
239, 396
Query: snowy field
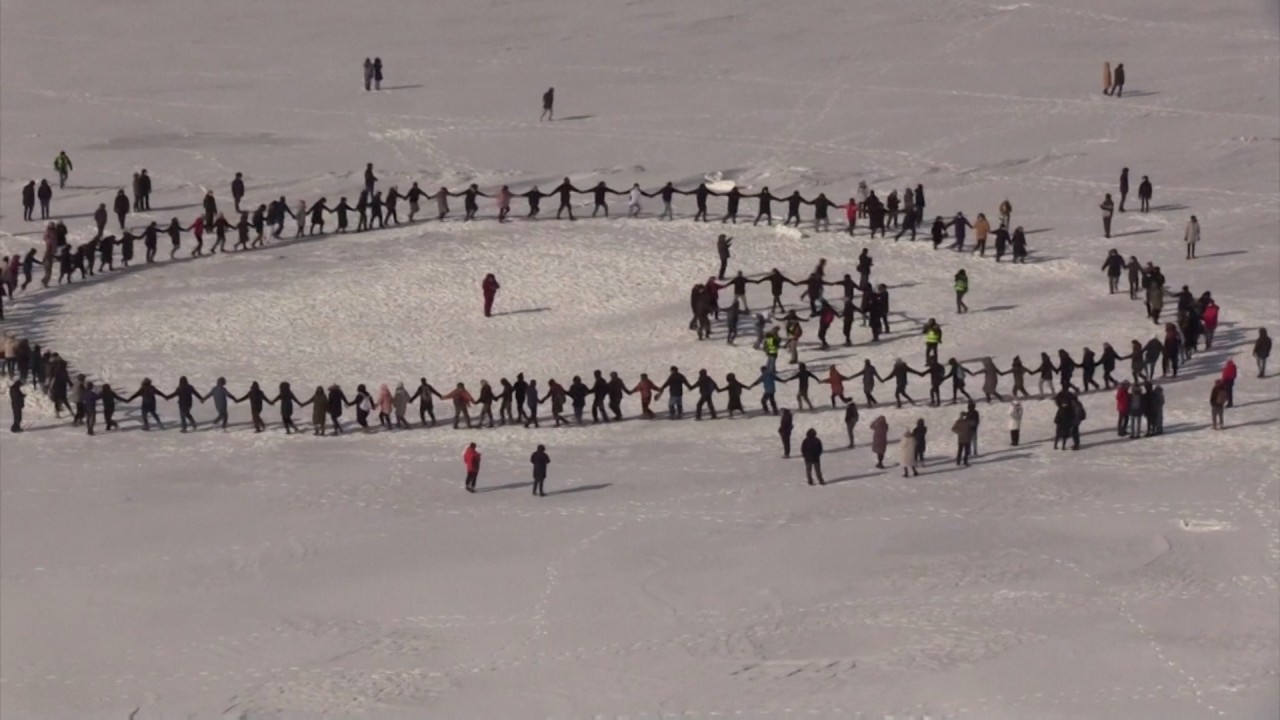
675, 569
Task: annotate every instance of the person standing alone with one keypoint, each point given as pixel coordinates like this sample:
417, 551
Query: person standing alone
540, 461
471, 460
1192, 237
548, 99
490, 288
1108, 208
811, 451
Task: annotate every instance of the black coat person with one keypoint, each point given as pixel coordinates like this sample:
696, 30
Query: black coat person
45, 195
1117, 83
540, 460
723, 243
144, 191
811, 451
186, 395
733, 198
335, 401
237, 191
598, 198
28, 200
548, 101
564, 190
17, 401
700, 195
793, 208
765, 208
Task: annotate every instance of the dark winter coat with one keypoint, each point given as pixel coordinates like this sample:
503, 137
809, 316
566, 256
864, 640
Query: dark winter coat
811, 448
540, 461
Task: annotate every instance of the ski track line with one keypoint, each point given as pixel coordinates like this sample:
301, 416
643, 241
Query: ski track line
1128, 614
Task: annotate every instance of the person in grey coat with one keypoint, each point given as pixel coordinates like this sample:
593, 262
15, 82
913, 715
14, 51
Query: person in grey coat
400, 401
220, 395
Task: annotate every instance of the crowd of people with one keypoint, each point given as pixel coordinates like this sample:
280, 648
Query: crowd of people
519, 401
249, 226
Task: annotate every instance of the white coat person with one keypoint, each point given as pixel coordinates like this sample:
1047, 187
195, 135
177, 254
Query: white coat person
1015, 423
1191, 237
907, 445
633, 200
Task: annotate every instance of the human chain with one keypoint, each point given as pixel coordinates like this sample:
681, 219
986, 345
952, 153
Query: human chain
373, 210
519, 401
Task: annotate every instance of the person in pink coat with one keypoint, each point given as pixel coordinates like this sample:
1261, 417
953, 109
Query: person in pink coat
384, 406
197, 231
504, 203
851, 214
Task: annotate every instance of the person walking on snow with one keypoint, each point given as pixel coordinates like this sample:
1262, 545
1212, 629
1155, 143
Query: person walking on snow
1124, 186
471, 461
1144, 194
62, 166
548, 100
1191, 237
1117, 84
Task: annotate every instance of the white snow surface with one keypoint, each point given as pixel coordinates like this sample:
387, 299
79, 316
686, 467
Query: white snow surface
674, 569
